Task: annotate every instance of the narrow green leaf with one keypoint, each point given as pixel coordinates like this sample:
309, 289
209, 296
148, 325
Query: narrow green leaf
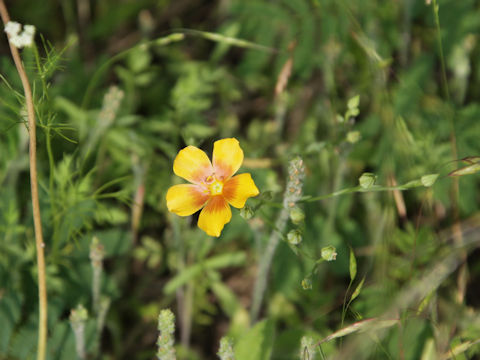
357, 290
429, 180
467, 170
71, 109
353, 265
460, 349
429, 352
364, 325
227, 298
425, 302
412, 184
229, 40
471, 159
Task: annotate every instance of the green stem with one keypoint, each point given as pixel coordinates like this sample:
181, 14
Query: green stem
375, 188
39, 69
293, 191
51, 163
51, 191
455, 189
440, 49
345, 307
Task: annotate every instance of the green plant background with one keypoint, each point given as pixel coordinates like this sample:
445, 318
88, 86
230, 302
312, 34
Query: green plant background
122, 86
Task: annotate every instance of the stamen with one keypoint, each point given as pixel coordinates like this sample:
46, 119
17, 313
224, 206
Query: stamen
216, 188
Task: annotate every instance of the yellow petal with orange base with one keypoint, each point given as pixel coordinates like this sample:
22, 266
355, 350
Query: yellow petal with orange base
192, 164
185, 199
238, 189
227, 158
214, 216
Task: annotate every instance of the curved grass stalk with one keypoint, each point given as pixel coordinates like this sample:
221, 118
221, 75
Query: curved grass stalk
176, 36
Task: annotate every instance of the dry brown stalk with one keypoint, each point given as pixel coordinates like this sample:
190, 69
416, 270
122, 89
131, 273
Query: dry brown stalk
42, 287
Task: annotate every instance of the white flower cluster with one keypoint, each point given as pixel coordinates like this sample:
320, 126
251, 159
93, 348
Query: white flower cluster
17, 38
165, 342
226, 349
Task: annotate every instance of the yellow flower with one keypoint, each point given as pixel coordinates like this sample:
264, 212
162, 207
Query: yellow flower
213, 188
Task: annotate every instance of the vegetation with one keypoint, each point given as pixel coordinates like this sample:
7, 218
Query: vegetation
359, 125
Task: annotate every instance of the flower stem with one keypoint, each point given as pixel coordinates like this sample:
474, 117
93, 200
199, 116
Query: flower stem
78, 318
42, 287
455, 189
293, 192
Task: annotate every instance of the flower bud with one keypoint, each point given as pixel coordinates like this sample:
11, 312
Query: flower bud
266, 195
294, 237
246, 212
297, 215
367, 180
329, 253
307, 284
353, 136
226, 349
13, 28
17, 38
78, 318
78, 314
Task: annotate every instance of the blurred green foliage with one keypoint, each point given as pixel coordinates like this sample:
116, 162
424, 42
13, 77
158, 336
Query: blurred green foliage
121, 86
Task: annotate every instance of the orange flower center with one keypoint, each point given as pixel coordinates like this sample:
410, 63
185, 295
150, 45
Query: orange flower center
214, 185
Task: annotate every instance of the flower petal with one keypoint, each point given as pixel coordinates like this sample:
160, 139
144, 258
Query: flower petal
238, 189
192, 164
214, 216
227, 157
185, 199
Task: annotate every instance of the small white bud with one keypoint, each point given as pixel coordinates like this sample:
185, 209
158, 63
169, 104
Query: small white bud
26, 39
13, 28
17, 39
29, 29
